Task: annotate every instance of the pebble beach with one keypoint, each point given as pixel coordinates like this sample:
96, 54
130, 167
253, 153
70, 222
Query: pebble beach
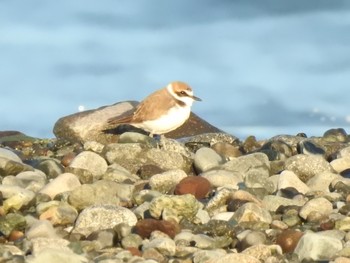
205, 197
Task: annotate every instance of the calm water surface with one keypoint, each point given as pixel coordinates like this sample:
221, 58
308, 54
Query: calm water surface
261, 67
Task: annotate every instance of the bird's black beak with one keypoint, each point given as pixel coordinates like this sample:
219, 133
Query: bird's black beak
196, 98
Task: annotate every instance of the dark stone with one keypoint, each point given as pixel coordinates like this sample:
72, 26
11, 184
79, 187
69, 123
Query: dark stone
309, 147
147, 170
336, 135
234, 204
345, 173
277, 150
288, 240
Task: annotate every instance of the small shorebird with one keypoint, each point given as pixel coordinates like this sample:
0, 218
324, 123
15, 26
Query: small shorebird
163, 111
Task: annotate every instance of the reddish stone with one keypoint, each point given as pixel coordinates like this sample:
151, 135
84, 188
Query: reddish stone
288, 240
68, 158
134, 251
145, 227
15, 235
195, 185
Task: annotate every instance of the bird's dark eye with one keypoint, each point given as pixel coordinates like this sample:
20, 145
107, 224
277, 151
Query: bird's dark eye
183, 93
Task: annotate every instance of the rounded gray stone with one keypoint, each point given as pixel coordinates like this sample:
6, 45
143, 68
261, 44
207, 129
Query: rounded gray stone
307, 166
10, 155
220, 177
63, 183
206, 159
90, 161
320, 205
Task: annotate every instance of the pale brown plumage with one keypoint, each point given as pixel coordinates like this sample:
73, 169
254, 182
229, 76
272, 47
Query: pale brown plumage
177, 95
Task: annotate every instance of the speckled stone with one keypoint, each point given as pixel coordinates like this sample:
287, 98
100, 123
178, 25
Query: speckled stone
166, 182
100, 217
307, 166
185, 206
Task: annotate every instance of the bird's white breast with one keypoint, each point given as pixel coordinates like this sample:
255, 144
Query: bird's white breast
175, 117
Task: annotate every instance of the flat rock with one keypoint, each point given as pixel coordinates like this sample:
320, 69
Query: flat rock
100, 217
92, 125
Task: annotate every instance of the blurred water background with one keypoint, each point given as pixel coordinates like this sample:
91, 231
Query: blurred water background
261, 67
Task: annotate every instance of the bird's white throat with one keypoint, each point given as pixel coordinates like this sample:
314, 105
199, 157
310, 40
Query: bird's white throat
188, 100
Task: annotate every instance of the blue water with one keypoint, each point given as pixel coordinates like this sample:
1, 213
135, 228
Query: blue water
261, 67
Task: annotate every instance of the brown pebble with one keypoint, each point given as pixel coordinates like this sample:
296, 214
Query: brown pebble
145, 227
15, 235
226, 150
68, 158
288, 240
135, 251
195, 185
147, 170
327, 225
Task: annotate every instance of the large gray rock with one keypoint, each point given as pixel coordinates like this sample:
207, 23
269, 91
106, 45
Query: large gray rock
89, 125
92, 125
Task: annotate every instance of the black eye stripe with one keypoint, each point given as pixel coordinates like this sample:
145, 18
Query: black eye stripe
182, 94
